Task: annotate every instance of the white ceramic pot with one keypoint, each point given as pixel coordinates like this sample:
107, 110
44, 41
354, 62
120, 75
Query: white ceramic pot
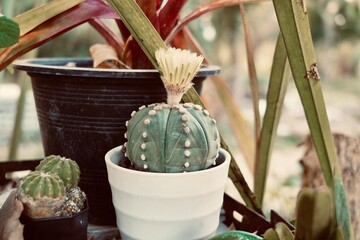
167, 205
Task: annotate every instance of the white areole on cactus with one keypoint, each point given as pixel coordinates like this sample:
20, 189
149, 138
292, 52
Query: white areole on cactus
173, 137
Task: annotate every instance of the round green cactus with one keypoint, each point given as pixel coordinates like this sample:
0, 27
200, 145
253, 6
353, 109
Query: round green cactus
39, 185
67, 169
42, 194
172, 138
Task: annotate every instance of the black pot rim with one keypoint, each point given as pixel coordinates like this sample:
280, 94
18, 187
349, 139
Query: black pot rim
84, 68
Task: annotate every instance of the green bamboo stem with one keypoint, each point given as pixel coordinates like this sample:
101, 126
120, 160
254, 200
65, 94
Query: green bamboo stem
17, 129
254, 85
297, 37
139, 26
24, 86
280, 74
41, 13
295, 29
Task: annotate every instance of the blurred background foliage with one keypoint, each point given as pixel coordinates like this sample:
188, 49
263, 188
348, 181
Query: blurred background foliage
335, 26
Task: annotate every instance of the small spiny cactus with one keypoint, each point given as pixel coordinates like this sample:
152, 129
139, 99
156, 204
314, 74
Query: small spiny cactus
42, 194
65, 168
173, 137
51, 190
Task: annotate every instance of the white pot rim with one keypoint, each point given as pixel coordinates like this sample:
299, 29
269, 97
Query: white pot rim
117, 150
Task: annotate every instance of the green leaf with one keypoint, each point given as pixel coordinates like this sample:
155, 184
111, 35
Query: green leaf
315, 215
280, 74
342, 209
254, 85
283, 231
139, 26
271, 234
36, 16
9, 32
295, 29
54, 27
280, 232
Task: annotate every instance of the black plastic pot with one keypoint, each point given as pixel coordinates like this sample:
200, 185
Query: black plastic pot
82, 113
56, 228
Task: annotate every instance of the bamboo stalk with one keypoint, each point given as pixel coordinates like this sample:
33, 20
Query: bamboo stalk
280, 74
294, 25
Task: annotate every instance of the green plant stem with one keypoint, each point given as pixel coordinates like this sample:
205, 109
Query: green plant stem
280, 74
296, 33
139, 26
42, 13
295, 29
17, 129
254, 85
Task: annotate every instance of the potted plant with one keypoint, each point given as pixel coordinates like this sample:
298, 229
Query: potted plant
175, 185
298, 50
77, 103
54, 206
337, 224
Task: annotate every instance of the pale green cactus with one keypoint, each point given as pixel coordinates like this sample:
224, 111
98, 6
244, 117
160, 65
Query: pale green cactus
173, 137
42, 194
42, 185
164, 138
51, 190
67, 169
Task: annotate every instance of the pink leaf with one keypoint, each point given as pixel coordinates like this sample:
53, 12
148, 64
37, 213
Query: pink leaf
56, 26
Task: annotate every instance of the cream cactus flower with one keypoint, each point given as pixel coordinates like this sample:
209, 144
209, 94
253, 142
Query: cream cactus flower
178, 67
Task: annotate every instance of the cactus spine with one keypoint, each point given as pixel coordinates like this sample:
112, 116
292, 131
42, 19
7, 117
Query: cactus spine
173, 137
65, 168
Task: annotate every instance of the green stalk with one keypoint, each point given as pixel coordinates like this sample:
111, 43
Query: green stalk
294, 25
139, 26
297, 37
43, 12
280, 74
254, 85
20, 109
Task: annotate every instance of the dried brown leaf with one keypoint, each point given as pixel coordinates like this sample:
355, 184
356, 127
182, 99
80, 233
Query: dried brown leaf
104, 56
